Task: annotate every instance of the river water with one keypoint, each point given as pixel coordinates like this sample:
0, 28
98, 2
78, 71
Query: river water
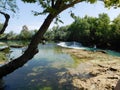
76, 45
42, 72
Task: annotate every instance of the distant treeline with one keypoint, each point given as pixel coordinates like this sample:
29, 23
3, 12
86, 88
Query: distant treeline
90, 31
25, 34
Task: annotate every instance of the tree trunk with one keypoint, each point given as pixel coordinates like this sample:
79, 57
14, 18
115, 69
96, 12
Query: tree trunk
7, 17
31, 50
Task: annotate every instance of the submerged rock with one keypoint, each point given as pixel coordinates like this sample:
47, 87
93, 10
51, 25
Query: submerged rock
4, 49
16, 46
103, 69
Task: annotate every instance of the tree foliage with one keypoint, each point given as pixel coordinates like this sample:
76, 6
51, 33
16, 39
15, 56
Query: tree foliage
112, 3
25, 34
90, 31
1, 25
116, 31
51, 6
7, 5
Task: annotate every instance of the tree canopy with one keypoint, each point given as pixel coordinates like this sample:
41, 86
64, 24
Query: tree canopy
7, 5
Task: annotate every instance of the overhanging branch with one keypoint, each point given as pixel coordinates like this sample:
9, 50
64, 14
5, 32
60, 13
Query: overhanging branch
7, 17
52, 3
71, 4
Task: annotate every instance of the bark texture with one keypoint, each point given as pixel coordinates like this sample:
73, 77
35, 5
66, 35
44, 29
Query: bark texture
7, 17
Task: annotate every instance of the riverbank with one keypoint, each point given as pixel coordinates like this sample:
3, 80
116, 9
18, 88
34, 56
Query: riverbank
98, 71
3, 50
2, 58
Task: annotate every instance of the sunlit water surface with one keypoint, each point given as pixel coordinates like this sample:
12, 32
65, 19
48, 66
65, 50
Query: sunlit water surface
43, 71
40, 73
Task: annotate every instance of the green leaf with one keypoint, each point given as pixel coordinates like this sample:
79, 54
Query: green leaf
92, 1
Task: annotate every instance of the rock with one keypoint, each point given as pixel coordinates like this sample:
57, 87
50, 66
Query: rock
117, 87
4, 49
94, 73
112, 69
113, 77
103, 51
16, 46
1, 43
103, 69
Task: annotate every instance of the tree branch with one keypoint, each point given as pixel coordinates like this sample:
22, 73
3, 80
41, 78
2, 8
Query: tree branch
71, 4
52, 3
58, 4
7, 17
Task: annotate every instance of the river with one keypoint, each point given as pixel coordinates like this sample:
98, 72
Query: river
42, 72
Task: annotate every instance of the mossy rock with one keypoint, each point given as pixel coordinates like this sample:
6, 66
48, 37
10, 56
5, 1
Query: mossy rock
2, 44
2, 56
5, 49
16, 46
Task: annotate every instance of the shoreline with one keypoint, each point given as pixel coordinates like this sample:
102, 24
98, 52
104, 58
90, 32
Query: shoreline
102, 71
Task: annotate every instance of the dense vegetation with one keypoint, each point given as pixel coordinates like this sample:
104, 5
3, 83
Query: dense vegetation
1, 25
89, 31
25, 34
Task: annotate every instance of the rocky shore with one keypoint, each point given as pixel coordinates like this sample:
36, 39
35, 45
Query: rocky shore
98, 71
3, 50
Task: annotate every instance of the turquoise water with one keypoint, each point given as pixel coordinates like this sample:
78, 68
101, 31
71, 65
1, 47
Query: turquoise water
110, 52
113, 53
76, 45
40, 73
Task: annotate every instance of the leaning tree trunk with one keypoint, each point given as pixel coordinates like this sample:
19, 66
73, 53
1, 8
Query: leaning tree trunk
31, 50
7, 17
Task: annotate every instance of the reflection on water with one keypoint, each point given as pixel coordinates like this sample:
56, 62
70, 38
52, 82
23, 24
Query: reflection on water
42, 72
18, 42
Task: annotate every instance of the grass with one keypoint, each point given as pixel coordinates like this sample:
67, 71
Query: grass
2, 57
3, 53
